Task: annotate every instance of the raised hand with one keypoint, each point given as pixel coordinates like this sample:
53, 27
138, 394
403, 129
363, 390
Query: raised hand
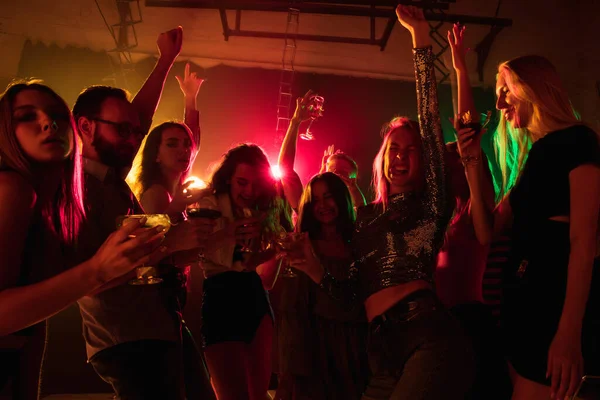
411, 17
469, 142
302, 112
121, 252
190, 83
326, 154
169, 44
455, 39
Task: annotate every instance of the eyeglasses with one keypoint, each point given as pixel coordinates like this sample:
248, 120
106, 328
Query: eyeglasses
124, 129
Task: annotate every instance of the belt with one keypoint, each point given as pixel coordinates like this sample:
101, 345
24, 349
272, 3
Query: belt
420, 300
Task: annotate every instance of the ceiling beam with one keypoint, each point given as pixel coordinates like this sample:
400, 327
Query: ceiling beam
364, 9
357, 8
361, 8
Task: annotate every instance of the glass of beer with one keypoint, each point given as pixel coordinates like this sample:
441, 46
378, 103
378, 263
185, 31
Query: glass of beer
146, 274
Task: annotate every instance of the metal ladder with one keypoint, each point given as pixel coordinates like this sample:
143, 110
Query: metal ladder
286, 80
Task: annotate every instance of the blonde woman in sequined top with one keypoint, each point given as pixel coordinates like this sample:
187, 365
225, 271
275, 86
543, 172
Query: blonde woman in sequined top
416, 349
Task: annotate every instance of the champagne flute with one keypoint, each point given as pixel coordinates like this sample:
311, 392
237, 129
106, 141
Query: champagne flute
315, 108
146, 274
289, 241
203, 210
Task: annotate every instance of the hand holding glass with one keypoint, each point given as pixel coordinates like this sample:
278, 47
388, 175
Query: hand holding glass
290, 242
205, 210
146, 275
315, 108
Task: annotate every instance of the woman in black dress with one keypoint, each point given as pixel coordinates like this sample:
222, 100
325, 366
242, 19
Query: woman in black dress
551, 301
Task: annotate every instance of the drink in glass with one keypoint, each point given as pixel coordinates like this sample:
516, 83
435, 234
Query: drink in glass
146, 274
315, 108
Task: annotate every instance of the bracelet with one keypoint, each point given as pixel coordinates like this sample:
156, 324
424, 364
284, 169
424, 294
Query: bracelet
470, 160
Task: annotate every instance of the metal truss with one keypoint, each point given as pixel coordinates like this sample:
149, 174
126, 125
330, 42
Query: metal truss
125, 38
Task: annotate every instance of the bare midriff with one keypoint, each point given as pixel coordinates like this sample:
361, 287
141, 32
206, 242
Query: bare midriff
381, 301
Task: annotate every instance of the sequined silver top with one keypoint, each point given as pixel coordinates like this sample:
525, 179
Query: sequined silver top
400, 244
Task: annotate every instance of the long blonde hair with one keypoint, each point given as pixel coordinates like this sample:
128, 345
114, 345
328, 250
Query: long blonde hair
533, 80
64, 212
381, 186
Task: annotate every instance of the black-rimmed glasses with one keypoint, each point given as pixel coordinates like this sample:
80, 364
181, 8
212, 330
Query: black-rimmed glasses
124, 129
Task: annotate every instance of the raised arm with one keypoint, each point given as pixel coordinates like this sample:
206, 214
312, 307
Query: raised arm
480, 175
146, 100
436, 200
465, 93
292, 186
190, 86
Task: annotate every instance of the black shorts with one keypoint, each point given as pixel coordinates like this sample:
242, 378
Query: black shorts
531, 313
234, 304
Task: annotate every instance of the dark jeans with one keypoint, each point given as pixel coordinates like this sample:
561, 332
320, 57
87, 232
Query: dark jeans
492, 381
417, 350
144, 369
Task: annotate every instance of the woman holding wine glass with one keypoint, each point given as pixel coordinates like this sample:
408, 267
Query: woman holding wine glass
41, 211
236, 313
333, 345
158, 179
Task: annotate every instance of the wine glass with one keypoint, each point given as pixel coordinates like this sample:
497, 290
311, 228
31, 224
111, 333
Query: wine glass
246, 247
289, 241
203, 210
315, 108
146, 274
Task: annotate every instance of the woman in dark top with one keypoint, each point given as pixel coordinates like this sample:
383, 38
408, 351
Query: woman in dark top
329, 336
551, 310
41, 211
416, 349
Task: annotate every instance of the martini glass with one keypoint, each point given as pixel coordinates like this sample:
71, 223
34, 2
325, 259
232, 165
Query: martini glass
146, 274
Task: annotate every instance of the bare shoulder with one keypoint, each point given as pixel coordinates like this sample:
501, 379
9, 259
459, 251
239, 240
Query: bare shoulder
155, 200
157, 191
15, 192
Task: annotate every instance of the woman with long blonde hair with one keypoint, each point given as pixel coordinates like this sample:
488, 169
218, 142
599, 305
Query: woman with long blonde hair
552, 287
416, 349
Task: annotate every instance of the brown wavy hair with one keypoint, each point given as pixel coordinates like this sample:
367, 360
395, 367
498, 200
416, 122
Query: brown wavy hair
64, 212
145, 171
268, 200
